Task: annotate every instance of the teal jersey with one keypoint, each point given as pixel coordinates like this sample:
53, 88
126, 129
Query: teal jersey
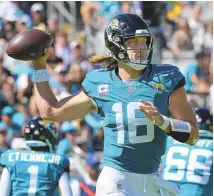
33, 173
190, 166
132, 142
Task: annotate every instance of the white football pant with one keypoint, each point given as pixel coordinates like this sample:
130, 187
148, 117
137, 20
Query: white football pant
112, 182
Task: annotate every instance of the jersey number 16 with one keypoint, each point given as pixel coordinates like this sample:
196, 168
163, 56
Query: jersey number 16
132, 122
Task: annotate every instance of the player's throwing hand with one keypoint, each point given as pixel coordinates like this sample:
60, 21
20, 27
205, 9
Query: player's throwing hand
41, 61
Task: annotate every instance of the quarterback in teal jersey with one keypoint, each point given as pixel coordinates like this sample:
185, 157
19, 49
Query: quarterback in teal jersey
135, 98
192, 166
37, 171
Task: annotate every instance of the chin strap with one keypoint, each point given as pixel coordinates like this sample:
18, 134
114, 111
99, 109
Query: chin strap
137, 66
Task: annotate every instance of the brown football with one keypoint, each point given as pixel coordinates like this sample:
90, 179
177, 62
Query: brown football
29, 44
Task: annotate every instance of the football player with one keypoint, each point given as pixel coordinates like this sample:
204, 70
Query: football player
192, 166
38, 171
135, 98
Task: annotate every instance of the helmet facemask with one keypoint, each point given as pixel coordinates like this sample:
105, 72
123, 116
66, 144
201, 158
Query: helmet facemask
142, 53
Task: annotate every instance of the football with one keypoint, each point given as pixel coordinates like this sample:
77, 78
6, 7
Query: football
29, 44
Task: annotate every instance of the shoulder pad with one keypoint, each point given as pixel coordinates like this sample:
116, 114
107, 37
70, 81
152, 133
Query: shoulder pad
99, 75
4, 157
167, 74
163, 69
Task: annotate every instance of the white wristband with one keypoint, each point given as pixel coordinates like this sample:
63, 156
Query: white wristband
41, 75
166, 122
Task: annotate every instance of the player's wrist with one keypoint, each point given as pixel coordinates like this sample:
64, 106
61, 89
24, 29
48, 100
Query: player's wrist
165, 124
41, 75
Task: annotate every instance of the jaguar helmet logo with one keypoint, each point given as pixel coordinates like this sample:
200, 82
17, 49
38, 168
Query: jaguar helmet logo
114, 24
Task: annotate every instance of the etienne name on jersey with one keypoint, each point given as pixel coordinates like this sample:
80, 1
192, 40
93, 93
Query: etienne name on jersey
34, 157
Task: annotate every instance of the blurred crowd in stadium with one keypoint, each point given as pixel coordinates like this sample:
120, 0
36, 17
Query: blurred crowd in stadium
180, 29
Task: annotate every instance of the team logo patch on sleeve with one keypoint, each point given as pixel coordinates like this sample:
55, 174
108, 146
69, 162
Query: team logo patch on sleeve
103, 90
159, 87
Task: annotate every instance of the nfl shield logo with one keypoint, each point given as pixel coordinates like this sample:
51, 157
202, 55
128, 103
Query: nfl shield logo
119, 186
130, 89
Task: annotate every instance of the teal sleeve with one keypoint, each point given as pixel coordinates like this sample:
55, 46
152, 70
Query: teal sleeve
4, 159
173, 80
56, 192
66, 164
177, 77
86, 86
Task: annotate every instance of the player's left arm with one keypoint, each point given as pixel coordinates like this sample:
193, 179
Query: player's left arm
5, 183
181, 110
183, 125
